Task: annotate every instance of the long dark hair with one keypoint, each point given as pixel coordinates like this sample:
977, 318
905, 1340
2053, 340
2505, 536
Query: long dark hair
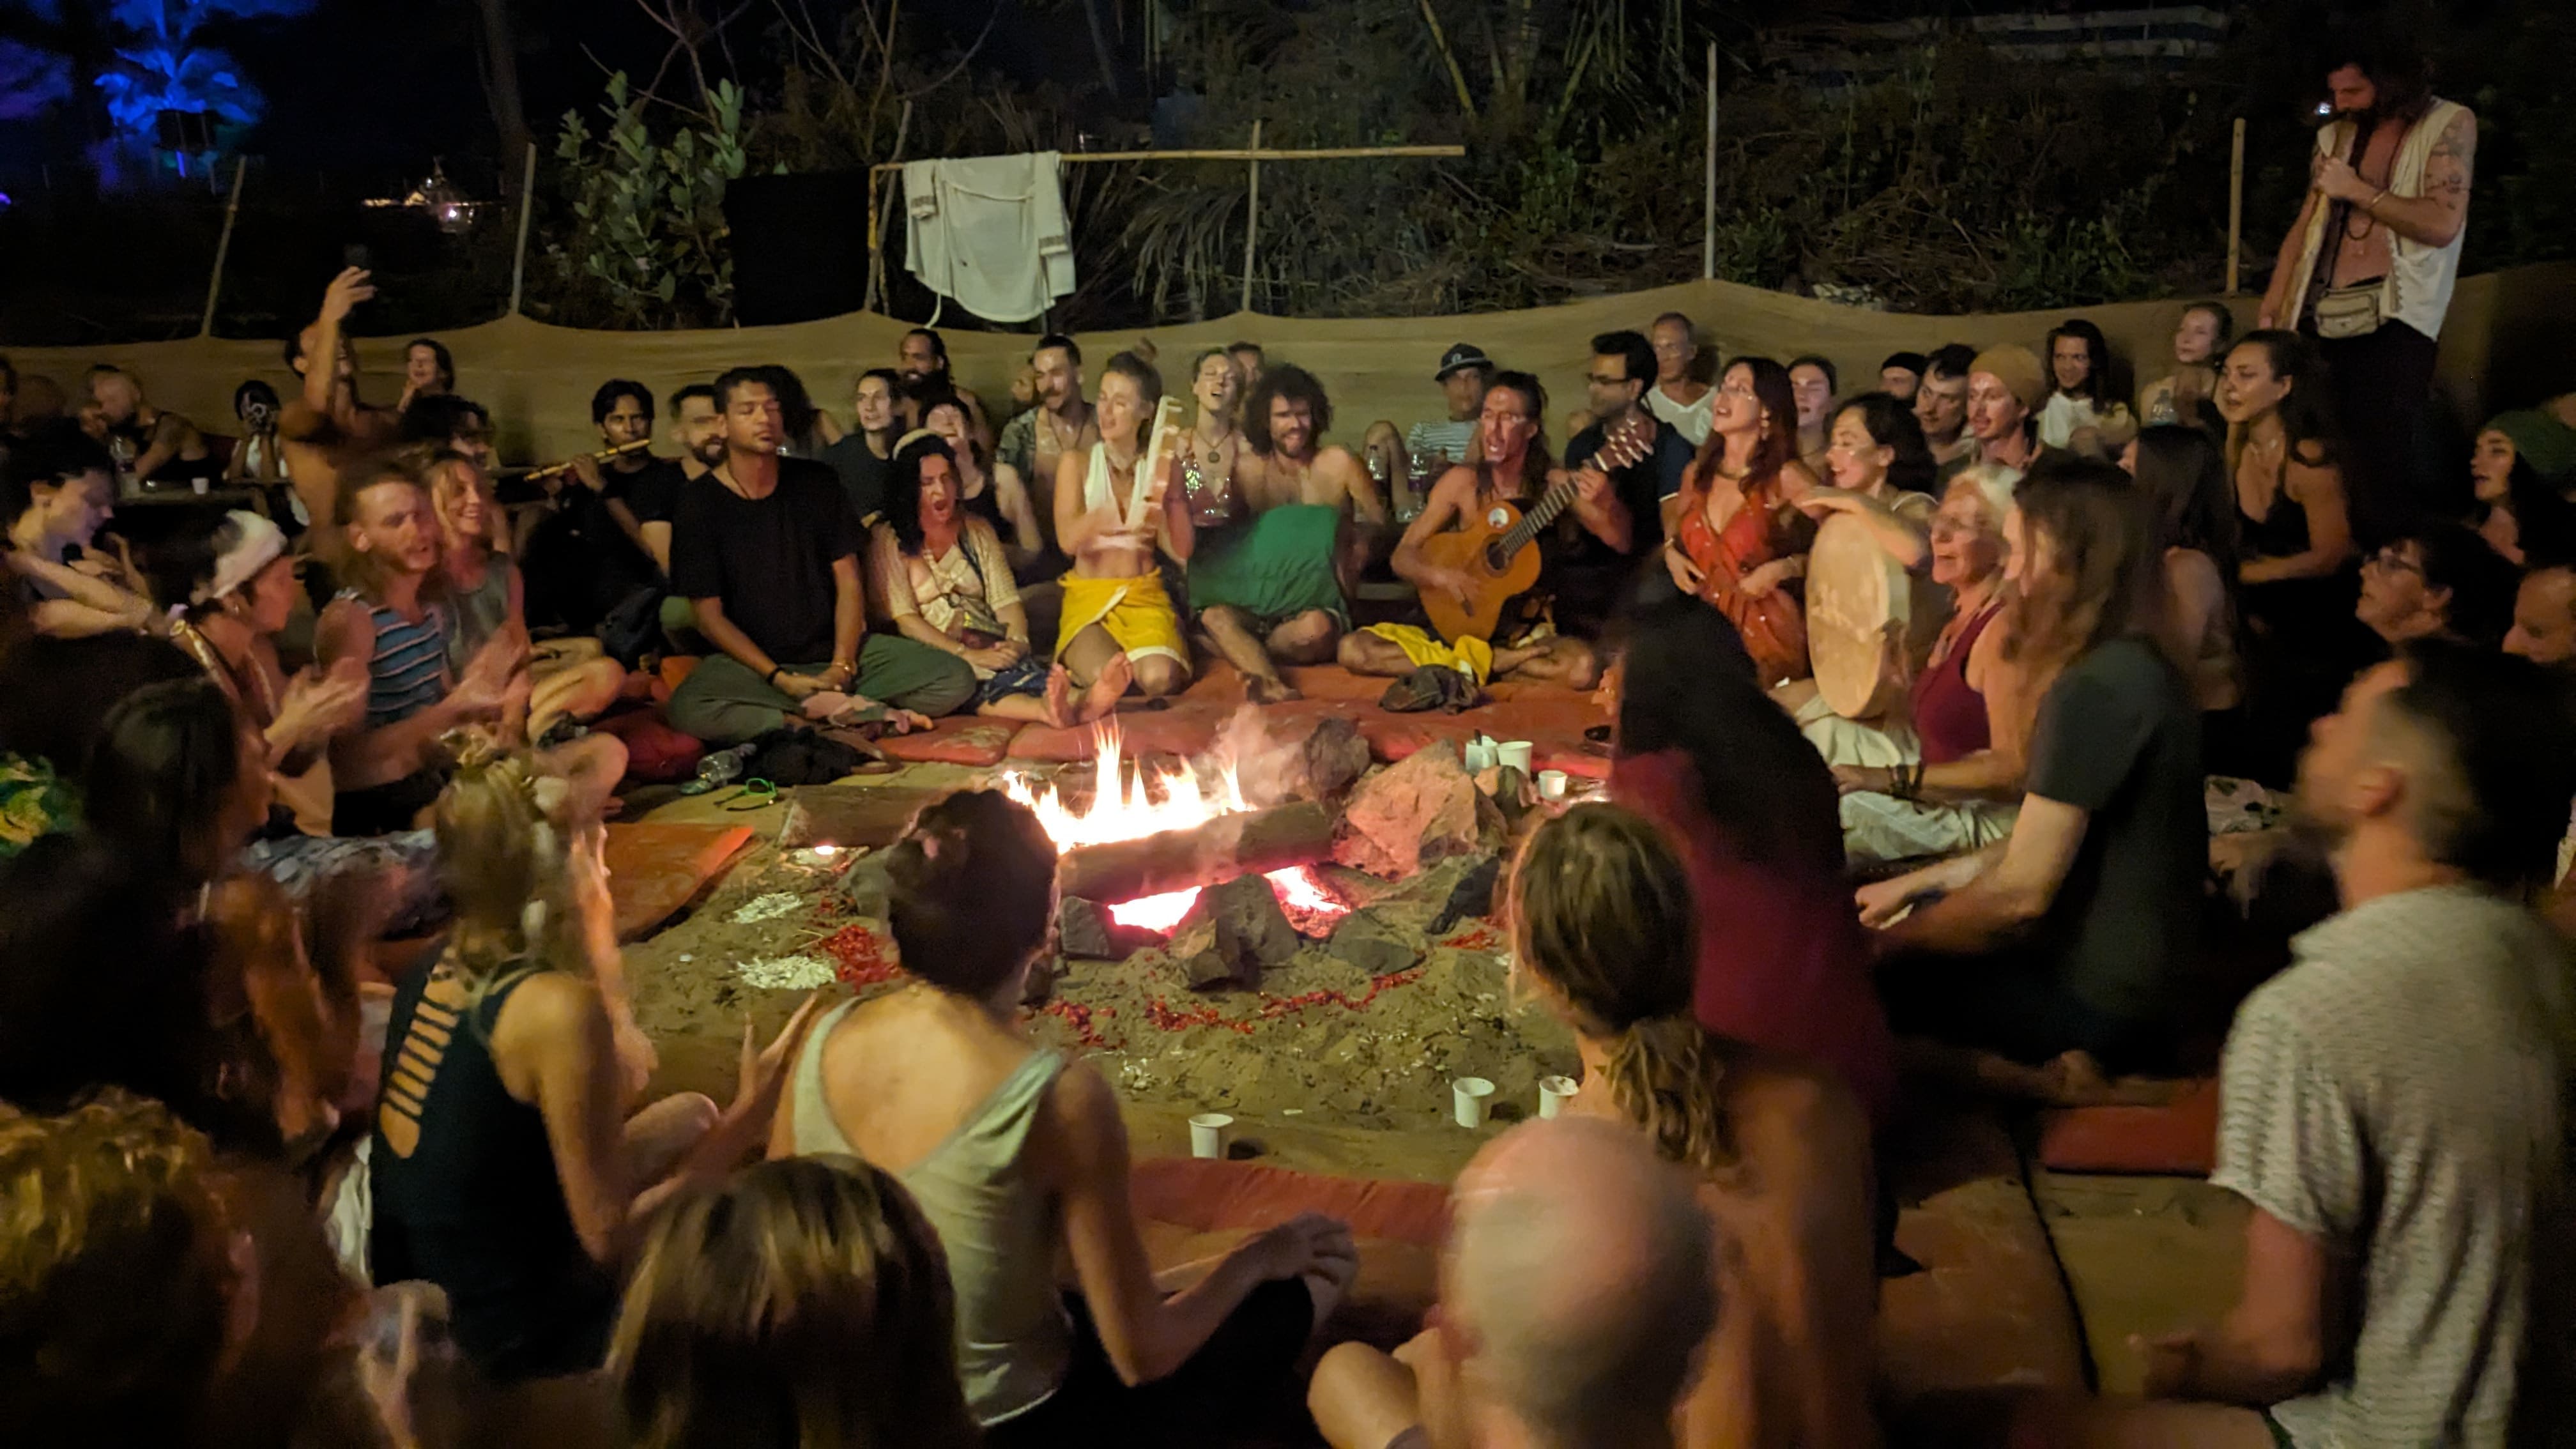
1686, 683
2104, 579
439, 354
2097, 357
1601, 911
903, 488
796, 410
1779, 402
168, 756
1892, 425
2183, 477
2307, 411
2544, 522
1536, 463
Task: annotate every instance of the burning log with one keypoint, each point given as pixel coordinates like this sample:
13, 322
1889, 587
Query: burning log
1251, 842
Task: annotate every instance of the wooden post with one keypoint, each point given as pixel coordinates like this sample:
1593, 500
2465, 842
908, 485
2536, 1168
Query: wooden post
527, 209
876, 218
1252, 219
2235, 203
223, 246
1708, 182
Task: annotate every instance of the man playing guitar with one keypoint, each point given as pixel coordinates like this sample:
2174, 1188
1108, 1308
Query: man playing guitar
1514, 470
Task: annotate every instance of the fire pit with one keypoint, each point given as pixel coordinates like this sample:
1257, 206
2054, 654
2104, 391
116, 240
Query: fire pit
1149, 838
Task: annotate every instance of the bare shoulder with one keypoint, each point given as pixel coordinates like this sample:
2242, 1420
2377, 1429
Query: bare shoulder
1338, 462
346, 627
2192, 571
1085, 1137
550, 1012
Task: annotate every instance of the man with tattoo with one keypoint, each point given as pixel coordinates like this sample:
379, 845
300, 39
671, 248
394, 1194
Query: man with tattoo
2367, 268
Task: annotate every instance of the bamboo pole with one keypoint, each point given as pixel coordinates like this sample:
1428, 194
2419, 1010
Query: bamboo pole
223, 246
1708, 180
527, 209
1252, 218
2235, 203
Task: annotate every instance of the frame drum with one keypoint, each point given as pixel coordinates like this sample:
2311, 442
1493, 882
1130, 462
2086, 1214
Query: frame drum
1859, 615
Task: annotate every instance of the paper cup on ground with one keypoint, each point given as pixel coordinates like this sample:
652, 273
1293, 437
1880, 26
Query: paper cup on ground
1554, 1093
1208, 1132
1474, 1097
1480, 754
1551, 784
1513, 755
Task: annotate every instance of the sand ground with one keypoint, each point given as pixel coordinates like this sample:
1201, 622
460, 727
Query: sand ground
1356, 1083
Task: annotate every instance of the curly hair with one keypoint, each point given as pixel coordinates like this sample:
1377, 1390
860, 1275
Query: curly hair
1601, 912
1288, 380
115, 1256
903, 487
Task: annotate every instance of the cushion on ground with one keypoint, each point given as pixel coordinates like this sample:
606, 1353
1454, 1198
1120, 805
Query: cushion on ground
1990, 1307
655, 752
1184, 728
654, 870
2176, 1139
964, 740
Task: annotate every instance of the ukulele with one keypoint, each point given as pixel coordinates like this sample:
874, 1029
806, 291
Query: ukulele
1494, 548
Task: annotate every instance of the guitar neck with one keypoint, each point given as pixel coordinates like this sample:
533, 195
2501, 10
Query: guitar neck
1539, 515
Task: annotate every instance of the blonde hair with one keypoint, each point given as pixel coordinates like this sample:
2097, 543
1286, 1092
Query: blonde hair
1601, 913
116, 1281
520, 863
805, 1302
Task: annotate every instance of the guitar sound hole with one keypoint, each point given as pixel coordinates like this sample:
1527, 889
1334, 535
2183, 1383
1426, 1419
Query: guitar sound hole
1494, 559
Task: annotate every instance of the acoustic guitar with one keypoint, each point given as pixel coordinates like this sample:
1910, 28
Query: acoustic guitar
1495, 549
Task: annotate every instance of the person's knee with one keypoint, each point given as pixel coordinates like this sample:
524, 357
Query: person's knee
1361, 653
1158, 676
946, 691
1224, 617
1309, 638
1381, 434
1582, 667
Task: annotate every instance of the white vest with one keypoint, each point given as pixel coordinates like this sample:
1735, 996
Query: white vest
2420, 277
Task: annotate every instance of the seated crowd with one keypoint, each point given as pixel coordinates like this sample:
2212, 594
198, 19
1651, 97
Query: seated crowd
1956, 832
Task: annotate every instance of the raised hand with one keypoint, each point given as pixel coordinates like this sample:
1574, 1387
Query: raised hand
347, 290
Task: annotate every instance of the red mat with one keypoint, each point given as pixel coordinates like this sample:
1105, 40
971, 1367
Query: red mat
1216, 1196
2178, 1139
959, 740
654, 870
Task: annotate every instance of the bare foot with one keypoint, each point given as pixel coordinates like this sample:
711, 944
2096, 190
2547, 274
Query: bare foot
2075, 1079
1262, 689
1104, 694
823, 704
1059, 698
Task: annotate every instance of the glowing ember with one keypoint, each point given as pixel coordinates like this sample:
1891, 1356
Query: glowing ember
1149, 802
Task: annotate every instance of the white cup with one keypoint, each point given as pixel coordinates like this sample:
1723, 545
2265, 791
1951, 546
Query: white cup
1513, 755
199, 486
1208, 1132
1551, 784
1480, 754
1474, 1097
1554, 1093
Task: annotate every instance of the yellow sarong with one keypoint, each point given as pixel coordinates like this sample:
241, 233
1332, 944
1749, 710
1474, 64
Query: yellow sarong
1470, 656
1135, 612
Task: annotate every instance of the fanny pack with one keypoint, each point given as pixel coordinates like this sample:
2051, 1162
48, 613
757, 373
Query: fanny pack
2347, 312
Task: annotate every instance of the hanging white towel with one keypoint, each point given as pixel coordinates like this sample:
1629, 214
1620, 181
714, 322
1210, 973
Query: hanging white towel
988, 232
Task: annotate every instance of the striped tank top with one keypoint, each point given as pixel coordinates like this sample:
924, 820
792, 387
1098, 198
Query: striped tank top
408, 672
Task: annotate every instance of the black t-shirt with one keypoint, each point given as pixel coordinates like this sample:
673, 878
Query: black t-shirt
2118, 738
651, 493
862, 473
769, 561
1584, 574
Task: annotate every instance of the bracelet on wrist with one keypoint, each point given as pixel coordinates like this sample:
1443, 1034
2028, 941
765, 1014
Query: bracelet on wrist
771, 677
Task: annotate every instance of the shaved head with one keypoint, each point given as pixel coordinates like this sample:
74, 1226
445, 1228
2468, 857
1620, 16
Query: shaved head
1580, 1275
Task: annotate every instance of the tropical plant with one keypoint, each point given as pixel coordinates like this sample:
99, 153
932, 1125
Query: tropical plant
647, 246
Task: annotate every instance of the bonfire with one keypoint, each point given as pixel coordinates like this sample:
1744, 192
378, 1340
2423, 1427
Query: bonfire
1131, 802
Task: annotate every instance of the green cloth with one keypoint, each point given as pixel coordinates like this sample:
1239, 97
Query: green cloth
723, 703
32, 803
2541, 440
1273, 566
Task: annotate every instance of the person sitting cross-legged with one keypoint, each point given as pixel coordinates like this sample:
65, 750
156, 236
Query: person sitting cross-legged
766, 551
2394, 1105
2055, 954
1019, 1158
938, 574
1118, 621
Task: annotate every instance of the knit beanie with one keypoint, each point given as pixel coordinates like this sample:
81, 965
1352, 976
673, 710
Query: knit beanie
2018, 369
2541, 440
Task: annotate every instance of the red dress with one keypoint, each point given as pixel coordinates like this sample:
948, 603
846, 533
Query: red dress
1783, 963
1774, 626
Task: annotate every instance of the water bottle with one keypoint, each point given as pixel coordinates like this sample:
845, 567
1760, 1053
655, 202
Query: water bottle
718, 770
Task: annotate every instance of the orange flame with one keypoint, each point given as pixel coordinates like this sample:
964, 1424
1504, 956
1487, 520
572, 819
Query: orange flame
1150, 801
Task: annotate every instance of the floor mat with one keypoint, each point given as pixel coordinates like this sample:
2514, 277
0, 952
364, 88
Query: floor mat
2177, 1139
960, 740
654, 870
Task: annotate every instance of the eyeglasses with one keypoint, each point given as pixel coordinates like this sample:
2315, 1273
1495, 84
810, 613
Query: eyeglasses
2394, 560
